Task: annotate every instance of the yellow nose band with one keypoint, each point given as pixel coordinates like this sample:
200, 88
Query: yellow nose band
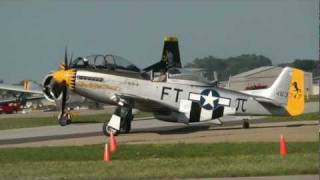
65, 77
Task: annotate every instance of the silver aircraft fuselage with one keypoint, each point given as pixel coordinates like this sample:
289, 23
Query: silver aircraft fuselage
164, 99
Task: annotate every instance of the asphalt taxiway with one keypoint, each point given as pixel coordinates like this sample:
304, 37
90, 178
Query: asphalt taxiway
155, 131
150, 130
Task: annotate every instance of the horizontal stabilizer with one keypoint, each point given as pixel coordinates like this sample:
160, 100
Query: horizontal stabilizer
268, 101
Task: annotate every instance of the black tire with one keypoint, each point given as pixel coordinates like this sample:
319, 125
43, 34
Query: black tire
127, 126
63, 121
127, 122
245, 124
69, 121
107, 130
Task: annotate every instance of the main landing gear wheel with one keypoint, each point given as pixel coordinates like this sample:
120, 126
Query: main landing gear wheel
126, 119
245, 124
107, 130
65, 119
126, 116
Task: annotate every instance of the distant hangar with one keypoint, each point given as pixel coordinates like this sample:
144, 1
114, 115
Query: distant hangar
263, 77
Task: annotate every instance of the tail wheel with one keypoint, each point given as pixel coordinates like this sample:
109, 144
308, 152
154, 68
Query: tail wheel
246, 124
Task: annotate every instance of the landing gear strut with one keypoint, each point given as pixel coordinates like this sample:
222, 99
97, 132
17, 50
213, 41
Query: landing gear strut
126, 117
64, 119
245, 124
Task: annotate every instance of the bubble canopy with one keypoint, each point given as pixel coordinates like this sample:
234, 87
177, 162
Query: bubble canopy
109, 61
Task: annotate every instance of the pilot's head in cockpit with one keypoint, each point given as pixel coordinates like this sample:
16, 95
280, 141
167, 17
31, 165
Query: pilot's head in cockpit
85, 62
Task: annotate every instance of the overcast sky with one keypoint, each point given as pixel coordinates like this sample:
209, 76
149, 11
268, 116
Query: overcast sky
33, 34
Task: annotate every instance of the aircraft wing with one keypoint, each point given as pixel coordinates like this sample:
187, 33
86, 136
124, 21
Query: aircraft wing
145, 103
13, 100
24, 89
8, 100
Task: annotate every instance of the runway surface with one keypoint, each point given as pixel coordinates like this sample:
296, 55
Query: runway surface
155, 131
151, 130
309, 107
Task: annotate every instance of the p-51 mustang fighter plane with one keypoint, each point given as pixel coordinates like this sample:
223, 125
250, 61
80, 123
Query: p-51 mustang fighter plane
180, 97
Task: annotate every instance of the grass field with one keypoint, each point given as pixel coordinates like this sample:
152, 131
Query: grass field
158, 161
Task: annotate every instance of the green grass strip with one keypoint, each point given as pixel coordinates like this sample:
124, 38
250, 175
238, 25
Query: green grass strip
159, 161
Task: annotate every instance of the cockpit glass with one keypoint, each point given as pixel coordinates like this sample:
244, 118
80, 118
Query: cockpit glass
100, 62
174, 71
80, 62
124, 64
104, 62
183, 74
109, 58
91, 59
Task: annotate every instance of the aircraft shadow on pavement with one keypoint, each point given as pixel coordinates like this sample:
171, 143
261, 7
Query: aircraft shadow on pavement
288, 126
185, 130
171, 129
84, 122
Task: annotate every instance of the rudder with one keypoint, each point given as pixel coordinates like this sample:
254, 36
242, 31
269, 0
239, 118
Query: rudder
295, 104
288, 89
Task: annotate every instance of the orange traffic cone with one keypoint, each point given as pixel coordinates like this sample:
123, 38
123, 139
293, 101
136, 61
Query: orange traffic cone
113, 143
283, 146
107, 155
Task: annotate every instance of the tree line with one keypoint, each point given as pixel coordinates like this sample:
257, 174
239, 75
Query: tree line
226, 67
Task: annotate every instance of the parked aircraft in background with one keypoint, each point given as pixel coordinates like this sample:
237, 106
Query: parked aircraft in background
28, 92
31, 93
169, 92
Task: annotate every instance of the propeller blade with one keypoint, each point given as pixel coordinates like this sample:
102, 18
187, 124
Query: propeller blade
64, 99
70, 62
66, 58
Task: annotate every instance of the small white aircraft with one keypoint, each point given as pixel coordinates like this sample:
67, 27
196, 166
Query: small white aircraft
31, 93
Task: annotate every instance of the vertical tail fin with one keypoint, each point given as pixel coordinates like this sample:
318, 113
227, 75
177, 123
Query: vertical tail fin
170, 52
26, 85
170, 55
295, 104
288, 89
